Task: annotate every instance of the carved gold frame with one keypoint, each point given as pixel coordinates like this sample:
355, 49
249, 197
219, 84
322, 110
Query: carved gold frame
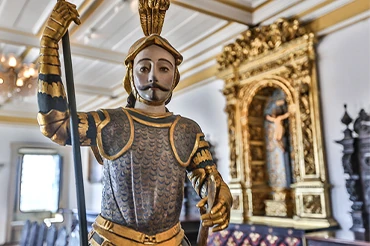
282, 56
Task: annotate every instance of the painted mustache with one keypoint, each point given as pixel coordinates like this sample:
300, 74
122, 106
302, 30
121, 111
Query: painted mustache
153, 85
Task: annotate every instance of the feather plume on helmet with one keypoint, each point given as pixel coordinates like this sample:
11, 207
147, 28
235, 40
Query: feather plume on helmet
152, 14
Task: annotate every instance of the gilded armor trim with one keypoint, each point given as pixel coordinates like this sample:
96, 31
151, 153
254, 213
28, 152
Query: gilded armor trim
95, 149
147, 123
83, 127
99, 128
49, 69
202, 156
96, 118
54, 89
97, 155
47, 51
99, 137
155, 116
116, 234
50, 59
203, 144
47, 42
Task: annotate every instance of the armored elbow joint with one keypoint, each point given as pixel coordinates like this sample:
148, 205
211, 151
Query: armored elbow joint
55, 125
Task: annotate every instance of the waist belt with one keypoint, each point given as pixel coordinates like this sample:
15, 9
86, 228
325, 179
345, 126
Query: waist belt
111, 233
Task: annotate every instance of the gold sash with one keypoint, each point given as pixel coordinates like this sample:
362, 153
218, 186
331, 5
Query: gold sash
115, 234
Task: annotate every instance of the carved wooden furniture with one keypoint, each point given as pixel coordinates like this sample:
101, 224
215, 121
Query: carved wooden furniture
274, 113
329, 241
356, 165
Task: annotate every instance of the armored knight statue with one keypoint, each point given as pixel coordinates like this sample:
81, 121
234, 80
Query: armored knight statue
145, 150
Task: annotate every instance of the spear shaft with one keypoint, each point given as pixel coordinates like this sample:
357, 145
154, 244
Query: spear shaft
203, 230
75, 140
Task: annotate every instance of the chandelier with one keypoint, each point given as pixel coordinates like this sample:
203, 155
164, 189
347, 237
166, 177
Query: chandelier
17, 80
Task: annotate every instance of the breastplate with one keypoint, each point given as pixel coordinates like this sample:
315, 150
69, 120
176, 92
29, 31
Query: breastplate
143, 187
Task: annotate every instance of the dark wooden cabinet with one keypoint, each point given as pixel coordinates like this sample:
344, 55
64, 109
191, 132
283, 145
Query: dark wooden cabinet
356, 167
320, 241
191, 228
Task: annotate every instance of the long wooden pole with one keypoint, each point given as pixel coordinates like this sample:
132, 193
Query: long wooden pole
203, 230
75, 140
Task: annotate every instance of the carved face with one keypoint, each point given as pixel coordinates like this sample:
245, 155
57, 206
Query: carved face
153, 73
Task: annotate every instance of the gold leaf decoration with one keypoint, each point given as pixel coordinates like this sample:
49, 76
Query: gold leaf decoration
259, 40
152, 13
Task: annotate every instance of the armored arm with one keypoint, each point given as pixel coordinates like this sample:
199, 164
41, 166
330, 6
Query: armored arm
53, 116
199, 171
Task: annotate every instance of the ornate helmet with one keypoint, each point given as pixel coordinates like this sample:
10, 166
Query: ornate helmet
152, 13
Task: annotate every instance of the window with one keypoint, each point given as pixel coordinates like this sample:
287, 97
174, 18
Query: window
40, 178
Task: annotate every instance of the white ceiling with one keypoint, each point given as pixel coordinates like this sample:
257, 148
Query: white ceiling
197, 28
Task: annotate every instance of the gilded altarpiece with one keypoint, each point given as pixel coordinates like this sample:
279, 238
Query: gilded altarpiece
277, 168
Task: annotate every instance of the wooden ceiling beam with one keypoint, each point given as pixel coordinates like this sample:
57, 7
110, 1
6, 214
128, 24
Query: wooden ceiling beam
244, 5
339, 15
25, 39
217, 10
90, 10
85, 5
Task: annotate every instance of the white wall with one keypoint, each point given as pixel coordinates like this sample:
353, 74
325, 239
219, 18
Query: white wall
344, 77
14, 134
31, 135
93, 192
205, 104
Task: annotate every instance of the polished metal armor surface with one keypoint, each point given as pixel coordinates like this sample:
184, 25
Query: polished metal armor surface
143, 187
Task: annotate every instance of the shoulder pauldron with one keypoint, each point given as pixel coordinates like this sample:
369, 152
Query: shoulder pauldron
185, 136
115, 133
